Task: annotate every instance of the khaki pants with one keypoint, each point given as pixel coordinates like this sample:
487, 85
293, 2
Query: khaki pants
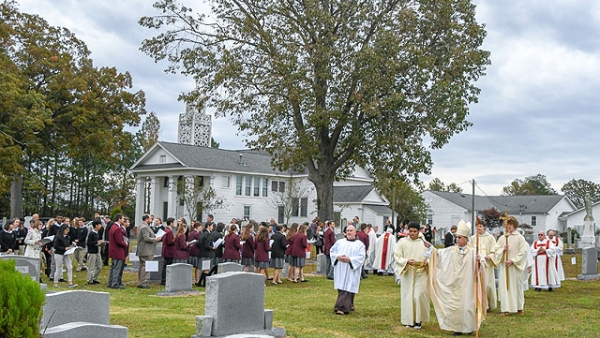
94, 266
78, 255
142, 273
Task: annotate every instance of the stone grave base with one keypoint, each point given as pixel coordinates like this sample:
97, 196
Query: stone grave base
588, 277
179, 293
83, 329
273, 333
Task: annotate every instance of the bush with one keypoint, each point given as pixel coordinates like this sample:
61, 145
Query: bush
21, 301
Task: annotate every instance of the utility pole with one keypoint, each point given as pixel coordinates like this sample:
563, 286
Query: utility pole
473, 222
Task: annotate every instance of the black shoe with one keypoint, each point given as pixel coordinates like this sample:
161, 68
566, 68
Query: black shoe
62, 280
91, 283
163, 283
458, 333
95, 282
538, 289
117, 287
549, 289
145, 286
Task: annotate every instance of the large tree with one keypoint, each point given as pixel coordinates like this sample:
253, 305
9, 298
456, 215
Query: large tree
327, 85
74, 112
405, 199
438, 185
576, 190
531, 185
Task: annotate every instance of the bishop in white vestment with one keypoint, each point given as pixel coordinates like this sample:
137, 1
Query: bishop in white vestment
487, 244
456, 290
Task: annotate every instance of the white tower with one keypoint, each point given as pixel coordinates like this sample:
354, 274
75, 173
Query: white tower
195, 127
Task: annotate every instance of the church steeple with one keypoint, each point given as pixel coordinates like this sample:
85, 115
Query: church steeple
195, 126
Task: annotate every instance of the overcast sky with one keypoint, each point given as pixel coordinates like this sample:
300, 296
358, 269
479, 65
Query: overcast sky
537, 113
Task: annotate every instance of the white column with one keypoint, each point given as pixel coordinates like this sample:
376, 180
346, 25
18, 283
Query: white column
172, 197
139, 198
188, 185
154, 191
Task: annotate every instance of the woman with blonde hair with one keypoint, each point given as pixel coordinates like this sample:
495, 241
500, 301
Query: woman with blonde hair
33, 240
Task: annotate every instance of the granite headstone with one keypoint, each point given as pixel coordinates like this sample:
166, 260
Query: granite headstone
76, 306
229, 267
178, 278
26, 265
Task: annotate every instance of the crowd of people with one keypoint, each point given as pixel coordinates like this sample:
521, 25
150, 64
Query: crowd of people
443, 276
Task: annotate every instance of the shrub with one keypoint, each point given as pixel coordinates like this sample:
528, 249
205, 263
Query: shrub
21, 301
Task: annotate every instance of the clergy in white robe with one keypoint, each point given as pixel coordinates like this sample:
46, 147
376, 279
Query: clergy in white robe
384, 253
411, 269
371, 250
543, 273
456, 285
347, 256
487, 244
511, 259
558, 246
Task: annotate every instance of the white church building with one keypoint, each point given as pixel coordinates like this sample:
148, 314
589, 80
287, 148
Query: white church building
242, 183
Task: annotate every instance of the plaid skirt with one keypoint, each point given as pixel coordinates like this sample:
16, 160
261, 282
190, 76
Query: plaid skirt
298, 261
277, 263
246, 261
231, 261
287, 258
261, 265
194, 261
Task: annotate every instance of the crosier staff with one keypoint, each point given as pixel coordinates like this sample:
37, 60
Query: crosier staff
506, 234
477, 281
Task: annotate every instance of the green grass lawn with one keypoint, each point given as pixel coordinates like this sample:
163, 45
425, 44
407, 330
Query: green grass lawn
306, 310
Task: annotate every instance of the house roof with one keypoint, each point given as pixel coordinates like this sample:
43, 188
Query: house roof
533, 204
379, 209
351, 193
190, 156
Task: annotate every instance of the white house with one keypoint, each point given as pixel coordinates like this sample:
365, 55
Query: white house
541, 212
245, 185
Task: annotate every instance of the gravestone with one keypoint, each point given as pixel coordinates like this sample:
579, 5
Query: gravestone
178, 278
226, 294
321, 264
76, 306
26, 265
229, 267
85, 330
588, 238
589, 266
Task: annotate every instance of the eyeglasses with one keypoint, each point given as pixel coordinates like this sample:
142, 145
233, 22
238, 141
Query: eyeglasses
540, 234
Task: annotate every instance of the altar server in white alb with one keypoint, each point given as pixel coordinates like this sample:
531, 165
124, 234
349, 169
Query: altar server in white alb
456, 285
411, 269
511, 258
384, 253
487, 244
347, 256
558, 245
543, 273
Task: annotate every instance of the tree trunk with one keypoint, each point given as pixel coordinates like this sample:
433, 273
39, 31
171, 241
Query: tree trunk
323, 181
16, 197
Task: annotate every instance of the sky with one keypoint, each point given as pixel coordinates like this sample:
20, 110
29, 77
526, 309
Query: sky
538, 111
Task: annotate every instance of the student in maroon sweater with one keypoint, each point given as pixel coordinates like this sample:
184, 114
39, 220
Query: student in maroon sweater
168, 248
231, 252
328, 242
261, 251
288, 252
248, 248
299, 243
181, 254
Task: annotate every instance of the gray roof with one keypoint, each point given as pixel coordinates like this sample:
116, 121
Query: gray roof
379, 209
207, 158
351, 193
536, 204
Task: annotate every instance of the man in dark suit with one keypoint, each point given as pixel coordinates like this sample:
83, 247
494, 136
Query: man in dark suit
328, 242
449, 237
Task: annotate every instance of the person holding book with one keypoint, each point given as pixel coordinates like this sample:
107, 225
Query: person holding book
146, 246
194, 260
231, 252
62, 244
